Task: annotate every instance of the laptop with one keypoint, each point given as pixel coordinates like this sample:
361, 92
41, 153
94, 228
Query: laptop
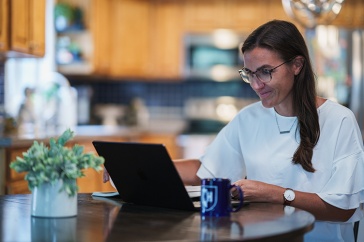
144, 174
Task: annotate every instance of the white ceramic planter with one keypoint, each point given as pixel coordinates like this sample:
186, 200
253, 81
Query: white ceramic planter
48, 202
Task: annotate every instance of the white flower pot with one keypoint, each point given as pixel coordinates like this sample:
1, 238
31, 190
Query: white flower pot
48, 202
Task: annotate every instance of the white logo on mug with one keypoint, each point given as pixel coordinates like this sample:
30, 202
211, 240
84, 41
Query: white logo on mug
208, 197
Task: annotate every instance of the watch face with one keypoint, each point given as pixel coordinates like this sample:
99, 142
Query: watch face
289, 195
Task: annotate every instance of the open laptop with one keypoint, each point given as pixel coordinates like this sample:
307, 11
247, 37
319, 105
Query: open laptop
144, 174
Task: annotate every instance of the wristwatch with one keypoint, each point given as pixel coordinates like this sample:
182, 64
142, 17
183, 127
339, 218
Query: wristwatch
288, 196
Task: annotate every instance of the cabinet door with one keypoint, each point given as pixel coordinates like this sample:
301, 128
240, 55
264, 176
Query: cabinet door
351, 15
20, 25
92, 181
37, 25
167, 139
246, 15
167, 40
15, 182
18, 187
28, 26
205, 15
130, 45
4, 25
102, 35
141, 39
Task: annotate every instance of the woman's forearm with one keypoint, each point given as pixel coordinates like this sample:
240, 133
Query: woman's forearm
322, 210
256, 191
312, 203
187, 170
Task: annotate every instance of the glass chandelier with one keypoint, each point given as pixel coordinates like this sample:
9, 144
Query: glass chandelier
311, 13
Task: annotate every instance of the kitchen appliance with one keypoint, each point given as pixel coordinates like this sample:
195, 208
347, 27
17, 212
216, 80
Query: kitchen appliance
205, 118
213, 56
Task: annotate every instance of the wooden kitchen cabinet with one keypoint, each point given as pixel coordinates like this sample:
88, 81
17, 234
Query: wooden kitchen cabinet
137, 39
167, 50
242, 16
4, 25
129, 30
92, 181
37, 27
245, 16
168, 140
15, 183
22, 28
351, 15
205, 15
144, 39
102, 34
28, 27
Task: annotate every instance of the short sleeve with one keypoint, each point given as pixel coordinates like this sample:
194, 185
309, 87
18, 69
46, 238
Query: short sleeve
345, 188
223, 158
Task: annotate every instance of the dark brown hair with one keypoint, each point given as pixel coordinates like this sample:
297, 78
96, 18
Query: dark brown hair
285, 39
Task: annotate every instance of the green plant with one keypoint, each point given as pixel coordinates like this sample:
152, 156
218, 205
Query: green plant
50, 164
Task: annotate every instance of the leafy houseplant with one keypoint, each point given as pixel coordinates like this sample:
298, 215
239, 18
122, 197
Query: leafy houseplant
49, 165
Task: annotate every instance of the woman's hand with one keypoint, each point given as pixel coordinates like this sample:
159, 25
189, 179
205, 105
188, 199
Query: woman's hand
256, 191
105, 176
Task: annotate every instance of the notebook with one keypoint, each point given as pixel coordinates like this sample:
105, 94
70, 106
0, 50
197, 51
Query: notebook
144, 174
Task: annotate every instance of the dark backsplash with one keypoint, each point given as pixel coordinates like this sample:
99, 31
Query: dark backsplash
171, 94
2, 82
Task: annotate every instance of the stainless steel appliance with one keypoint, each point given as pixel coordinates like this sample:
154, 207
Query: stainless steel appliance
213, 56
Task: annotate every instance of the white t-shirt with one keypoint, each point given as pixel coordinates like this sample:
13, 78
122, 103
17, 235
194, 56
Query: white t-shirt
251, 146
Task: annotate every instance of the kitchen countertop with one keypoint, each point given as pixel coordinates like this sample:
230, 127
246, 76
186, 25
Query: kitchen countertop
172, 127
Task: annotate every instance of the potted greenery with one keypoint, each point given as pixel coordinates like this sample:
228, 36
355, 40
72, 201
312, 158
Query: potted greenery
52, 172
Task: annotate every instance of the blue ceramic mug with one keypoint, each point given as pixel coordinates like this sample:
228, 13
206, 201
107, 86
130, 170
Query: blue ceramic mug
216, 197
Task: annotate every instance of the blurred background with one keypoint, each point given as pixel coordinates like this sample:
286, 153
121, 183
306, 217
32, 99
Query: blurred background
158, 71
158, 64
161, 62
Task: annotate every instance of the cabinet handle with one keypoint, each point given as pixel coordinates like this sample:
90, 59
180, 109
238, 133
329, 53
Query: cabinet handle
20, 39
33, 46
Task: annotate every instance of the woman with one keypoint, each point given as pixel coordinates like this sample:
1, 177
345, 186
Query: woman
293, 147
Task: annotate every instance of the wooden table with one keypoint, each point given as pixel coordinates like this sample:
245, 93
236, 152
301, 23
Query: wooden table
101, 219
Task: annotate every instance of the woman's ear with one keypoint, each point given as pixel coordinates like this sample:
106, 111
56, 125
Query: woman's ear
298, 63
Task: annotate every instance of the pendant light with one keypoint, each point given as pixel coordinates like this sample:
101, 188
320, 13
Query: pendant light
310, 13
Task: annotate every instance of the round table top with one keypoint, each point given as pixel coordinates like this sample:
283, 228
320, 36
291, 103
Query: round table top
103, 219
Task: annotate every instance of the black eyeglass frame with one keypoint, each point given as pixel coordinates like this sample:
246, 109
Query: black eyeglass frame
270, 71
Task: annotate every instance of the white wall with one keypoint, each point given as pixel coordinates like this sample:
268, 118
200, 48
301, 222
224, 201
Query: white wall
29, 72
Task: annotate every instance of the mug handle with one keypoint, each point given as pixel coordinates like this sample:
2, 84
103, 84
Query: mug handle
241, 198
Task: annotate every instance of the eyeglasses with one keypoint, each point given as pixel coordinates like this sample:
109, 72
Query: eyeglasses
263, 74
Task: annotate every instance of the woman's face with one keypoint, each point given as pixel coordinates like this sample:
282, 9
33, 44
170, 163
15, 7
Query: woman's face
277, 92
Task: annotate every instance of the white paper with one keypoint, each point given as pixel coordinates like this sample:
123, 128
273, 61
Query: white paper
105, 194
193, 191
